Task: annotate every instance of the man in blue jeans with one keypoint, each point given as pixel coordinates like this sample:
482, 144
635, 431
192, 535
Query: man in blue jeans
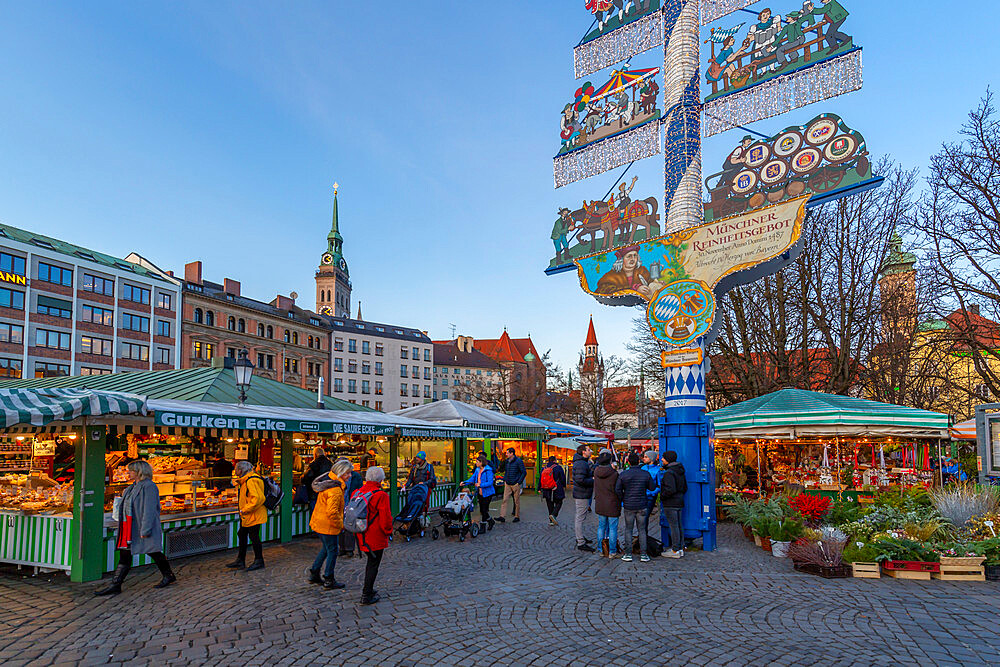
651, 464
672, 489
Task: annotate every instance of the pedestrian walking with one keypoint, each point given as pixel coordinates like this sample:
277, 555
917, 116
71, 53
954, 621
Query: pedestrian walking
253, 515
651, 464
607, 504
319, 465
513, 483
375, 539
139, 530
354, 482
553, 488
482, 480
327, 521
632, 486
583, 493
672, 490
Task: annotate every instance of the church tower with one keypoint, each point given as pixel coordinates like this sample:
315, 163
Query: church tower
897, 282
591, 365
333, 281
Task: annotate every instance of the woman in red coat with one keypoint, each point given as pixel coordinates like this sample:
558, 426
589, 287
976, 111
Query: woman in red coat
376, 538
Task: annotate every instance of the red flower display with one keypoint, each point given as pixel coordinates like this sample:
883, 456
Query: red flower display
810, 508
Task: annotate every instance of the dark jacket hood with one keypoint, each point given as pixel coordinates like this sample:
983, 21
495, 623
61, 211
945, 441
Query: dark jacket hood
603, 472
676, 467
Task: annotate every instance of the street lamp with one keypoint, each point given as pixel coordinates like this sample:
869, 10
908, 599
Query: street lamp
244, 373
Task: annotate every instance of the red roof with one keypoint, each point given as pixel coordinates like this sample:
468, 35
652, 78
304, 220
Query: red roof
620, 400
816, 371
506, 348
970, 323
591, 334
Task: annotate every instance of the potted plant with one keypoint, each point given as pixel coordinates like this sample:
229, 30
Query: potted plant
861, 556
990, 549
759, 525
905, 559
782, 533
811, 508
824, 558
742, 512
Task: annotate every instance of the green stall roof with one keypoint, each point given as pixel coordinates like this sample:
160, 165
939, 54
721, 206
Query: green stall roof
793, 413
207, 384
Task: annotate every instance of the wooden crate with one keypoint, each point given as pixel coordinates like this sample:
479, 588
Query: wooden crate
866, 570
907, 574
960, 573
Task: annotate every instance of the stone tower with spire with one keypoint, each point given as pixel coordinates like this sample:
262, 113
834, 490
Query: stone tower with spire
591, 368
333, 280
897, 281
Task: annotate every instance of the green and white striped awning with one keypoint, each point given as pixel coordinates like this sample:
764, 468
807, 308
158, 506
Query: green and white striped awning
794, 413
39, 407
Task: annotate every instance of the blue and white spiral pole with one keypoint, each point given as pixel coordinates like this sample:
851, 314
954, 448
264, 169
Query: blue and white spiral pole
686, 427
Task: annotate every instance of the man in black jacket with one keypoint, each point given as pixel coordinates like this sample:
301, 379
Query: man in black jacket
583, 491
672, 490
319, 465
513, 484
631, 487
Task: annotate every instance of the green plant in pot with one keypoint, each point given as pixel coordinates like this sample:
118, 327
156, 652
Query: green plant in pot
902, 549
782, 532
989, 548
860, 552
760, 525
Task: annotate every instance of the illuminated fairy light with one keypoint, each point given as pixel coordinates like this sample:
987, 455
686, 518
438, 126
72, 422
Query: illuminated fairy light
713, 10
828, 79
618, 45
607, 154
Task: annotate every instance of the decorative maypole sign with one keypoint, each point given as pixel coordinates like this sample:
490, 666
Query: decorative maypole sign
679, 258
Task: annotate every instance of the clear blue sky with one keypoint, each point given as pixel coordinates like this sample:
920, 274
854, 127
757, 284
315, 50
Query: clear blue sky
214, 131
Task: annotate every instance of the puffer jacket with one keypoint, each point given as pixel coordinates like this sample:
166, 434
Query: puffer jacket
632, 486
515, 472
607, 502
376, 537
583, 478
670, 495
655, 471
251, 500
328, 515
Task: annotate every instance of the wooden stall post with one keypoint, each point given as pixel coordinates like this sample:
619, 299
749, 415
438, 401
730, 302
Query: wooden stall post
286, 455
87, 562
461, 448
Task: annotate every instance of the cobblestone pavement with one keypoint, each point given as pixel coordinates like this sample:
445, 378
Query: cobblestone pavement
519, 595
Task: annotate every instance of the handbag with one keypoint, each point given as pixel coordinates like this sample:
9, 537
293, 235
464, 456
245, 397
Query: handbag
124, 537
116, 508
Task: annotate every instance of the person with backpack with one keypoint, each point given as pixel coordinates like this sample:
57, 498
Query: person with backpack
354, 482
672, 490
631, 487
607, 504
482, 478
369, 517
327, 521
253, 515
553, 486
583, 493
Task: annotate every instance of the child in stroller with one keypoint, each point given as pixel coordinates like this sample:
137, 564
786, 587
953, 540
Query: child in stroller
456, 518
408, 523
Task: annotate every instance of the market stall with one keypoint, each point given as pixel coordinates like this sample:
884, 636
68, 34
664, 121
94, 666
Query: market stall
497, 433
825, 444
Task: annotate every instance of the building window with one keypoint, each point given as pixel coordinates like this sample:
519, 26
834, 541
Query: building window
231, 323
379, 350
141, 352
135, 294
378, 368
427, 391
366, 403
352, 366
164, 300
444, 395
135, 322
427, 355
44, 369
99, 346
427, 373
270, 332
58, 340
55, 274
378, 405
403, 406
98, 285
11, 333
366, 387
338, 364
97, 315
12, 264
54, 307
444, 382
352, 345
241, 325
338, 344
260, 330
288, 336
444, 370
204, 350
366, 368
11, 298
352, 386
10, 368
291, 365
404, 353
338, 385
199, 316
404, 371
209, 318
404, 390
416, 354
87, 370
295, 338
378, 388
366, 347
415, 392
163, 355
163, 328
435, 396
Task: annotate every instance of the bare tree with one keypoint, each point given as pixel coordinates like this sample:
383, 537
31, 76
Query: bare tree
611, 372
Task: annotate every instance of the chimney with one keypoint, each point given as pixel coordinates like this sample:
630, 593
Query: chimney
170, 273
192, 272
231, 286
283, 302
974, 309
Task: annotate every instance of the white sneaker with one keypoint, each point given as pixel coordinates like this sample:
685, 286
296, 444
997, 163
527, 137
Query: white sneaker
644, 558
670, 553
627, 558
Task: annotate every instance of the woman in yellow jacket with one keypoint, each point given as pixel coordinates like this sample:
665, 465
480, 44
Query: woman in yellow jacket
253, 515
327, 521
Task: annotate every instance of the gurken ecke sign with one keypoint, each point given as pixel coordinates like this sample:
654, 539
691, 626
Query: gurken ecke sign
677, 274
234, 423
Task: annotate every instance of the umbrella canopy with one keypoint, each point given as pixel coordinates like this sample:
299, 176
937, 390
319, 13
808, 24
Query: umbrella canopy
457, 413
622, 79
39, 407
964, 430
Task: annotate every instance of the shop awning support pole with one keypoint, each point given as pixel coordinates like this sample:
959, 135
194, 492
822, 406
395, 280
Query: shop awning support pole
394, 471
88, 562
286, 454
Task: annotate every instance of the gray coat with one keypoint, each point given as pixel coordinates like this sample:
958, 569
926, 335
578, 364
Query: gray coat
141, 501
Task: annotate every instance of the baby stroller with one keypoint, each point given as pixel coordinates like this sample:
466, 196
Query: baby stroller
408, 523
454, 523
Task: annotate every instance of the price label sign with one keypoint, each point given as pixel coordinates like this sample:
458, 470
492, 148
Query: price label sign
47, 448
